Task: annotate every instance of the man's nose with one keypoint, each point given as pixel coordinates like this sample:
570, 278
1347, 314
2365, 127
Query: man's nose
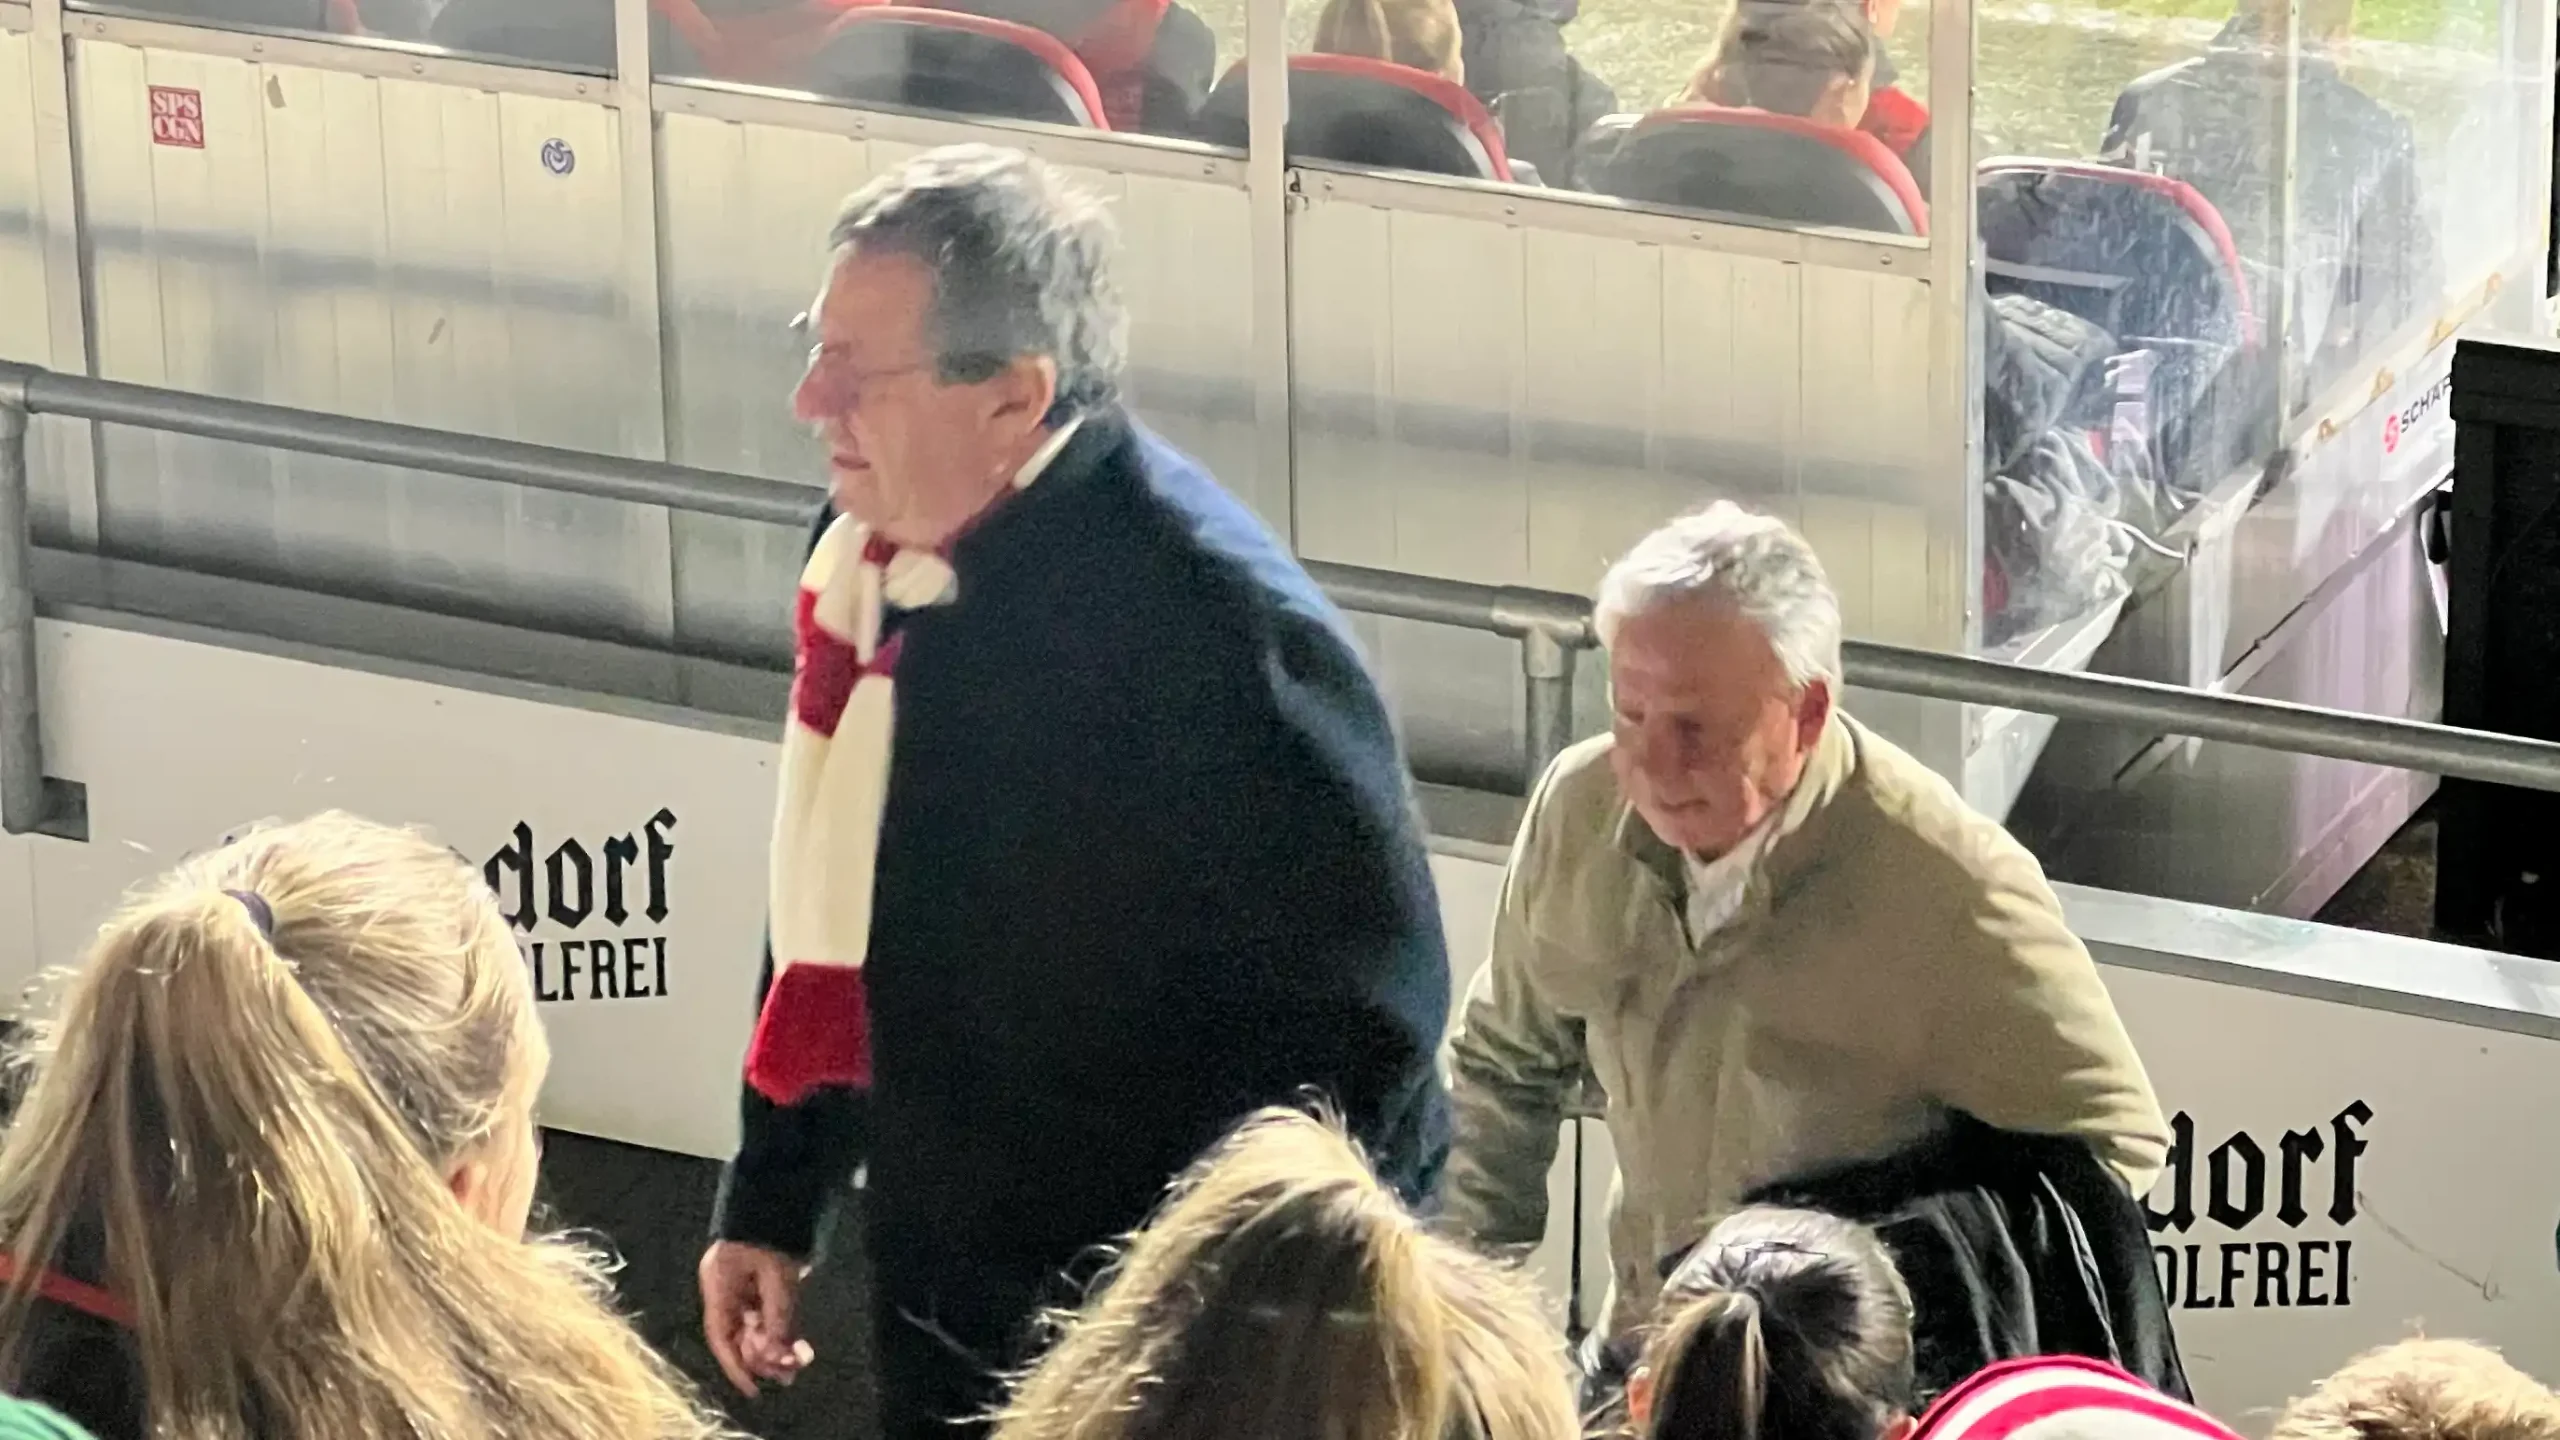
809, 397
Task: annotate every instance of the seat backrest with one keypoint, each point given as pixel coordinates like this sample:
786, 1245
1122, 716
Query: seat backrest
1357, 111
1770, 167
959, 64
565, 34
2141, 254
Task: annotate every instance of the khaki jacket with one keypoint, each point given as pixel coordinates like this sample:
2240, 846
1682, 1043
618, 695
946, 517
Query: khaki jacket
1897, 955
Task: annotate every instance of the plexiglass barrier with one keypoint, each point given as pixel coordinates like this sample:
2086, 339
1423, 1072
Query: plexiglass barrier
2214, 237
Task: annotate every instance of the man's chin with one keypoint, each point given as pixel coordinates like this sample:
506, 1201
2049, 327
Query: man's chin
1693, 833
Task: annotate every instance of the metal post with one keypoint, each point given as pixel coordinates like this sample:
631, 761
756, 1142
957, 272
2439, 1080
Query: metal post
1547, 663
22, 806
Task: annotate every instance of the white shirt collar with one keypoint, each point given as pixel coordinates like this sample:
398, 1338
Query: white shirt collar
1717, 887
1048, 451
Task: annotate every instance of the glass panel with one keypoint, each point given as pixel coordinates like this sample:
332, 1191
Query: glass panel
572, 35
1138, 66
2130, 198
1750, 111
2239, 217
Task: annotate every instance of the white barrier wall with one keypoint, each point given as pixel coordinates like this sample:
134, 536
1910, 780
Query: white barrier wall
2364, 1144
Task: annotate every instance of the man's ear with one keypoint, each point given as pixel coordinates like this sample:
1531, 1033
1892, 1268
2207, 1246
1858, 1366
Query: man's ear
1813, 711
1902, 1427
1022, 392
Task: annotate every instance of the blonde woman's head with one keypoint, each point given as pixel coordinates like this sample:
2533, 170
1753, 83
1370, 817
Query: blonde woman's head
289, 1091
1283, 1293
1814, 59
1419, 34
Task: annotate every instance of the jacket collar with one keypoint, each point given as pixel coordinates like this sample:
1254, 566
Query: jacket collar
1794, 847
1071, 461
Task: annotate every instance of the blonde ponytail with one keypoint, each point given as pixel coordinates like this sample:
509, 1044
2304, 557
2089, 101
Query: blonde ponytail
254, 1089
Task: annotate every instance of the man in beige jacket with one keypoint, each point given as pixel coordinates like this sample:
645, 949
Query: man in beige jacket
1775, 941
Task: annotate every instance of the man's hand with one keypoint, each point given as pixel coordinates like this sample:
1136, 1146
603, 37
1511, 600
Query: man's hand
750, 1314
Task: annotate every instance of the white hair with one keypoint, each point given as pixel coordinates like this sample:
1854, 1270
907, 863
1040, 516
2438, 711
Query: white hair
1756, 563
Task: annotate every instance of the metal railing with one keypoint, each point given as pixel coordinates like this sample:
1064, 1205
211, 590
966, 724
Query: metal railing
1552, 628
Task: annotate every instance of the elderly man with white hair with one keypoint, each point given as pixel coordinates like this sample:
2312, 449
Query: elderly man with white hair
1778, 943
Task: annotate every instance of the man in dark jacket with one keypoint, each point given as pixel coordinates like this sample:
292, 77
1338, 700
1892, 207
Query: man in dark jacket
2362, 259
1137, 856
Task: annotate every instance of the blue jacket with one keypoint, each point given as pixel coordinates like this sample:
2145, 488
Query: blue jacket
1150, 861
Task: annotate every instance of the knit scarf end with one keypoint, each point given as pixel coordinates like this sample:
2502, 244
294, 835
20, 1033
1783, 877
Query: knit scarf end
814, 1032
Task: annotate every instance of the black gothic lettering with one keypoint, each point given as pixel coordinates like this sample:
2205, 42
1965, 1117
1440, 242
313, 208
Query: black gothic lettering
661, 850
2342, 1194
604, 977
619, 851
2299, 1147
2253, 1182
576, 876
2166, 1259
541, 982
570, 950
2344, 1269
2312, 1252
659, 944
2181, 1175
2274, 1257
635, 952
518, 858
2235, 1268
2196, 1299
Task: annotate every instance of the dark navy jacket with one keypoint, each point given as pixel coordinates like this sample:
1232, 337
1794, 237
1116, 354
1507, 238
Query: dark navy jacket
1150, 861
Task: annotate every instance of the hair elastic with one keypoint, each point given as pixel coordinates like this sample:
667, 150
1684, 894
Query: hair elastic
261, 914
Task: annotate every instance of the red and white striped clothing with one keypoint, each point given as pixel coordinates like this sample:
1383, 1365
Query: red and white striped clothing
815, 1026
2063, 1398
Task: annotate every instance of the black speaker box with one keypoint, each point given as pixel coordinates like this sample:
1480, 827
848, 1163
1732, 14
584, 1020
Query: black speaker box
2498, 848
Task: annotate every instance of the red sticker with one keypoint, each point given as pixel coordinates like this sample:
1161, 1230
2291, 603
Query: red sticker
177, 117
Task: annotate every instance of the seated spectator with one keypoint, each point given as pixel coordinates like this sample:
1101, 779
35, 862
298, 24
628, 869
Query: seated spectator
1785, 1324
1516, 62
2425, 1390
1815, 59
1282, 1293
1419, 34
1769, 34
1153, 60
271, 1174
2363, 259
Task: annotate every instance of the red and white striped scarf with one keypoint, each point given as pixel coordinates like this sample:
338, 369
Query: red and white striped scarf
815, 1027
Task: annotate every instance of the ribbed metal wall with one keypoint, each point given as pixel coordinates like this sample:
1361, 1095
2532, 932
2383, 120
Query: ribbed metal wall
380, 247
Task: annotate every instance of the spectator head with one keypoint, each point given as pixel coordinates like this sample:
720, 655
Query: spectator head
1815, 59
1422, 34
288, 1095
1283, 1293
1780, 1325
2425, 1390
1724, 657
968, 311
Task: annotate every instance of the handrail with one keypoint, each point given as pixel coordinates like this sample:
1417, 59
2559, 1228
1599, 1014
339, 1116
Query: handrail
1552, 628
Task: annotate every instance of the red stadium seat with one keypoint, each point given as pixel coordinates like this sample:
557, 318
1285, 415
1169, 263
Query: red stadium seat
2139, 253
947, 61
1356, 111
1751, 162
